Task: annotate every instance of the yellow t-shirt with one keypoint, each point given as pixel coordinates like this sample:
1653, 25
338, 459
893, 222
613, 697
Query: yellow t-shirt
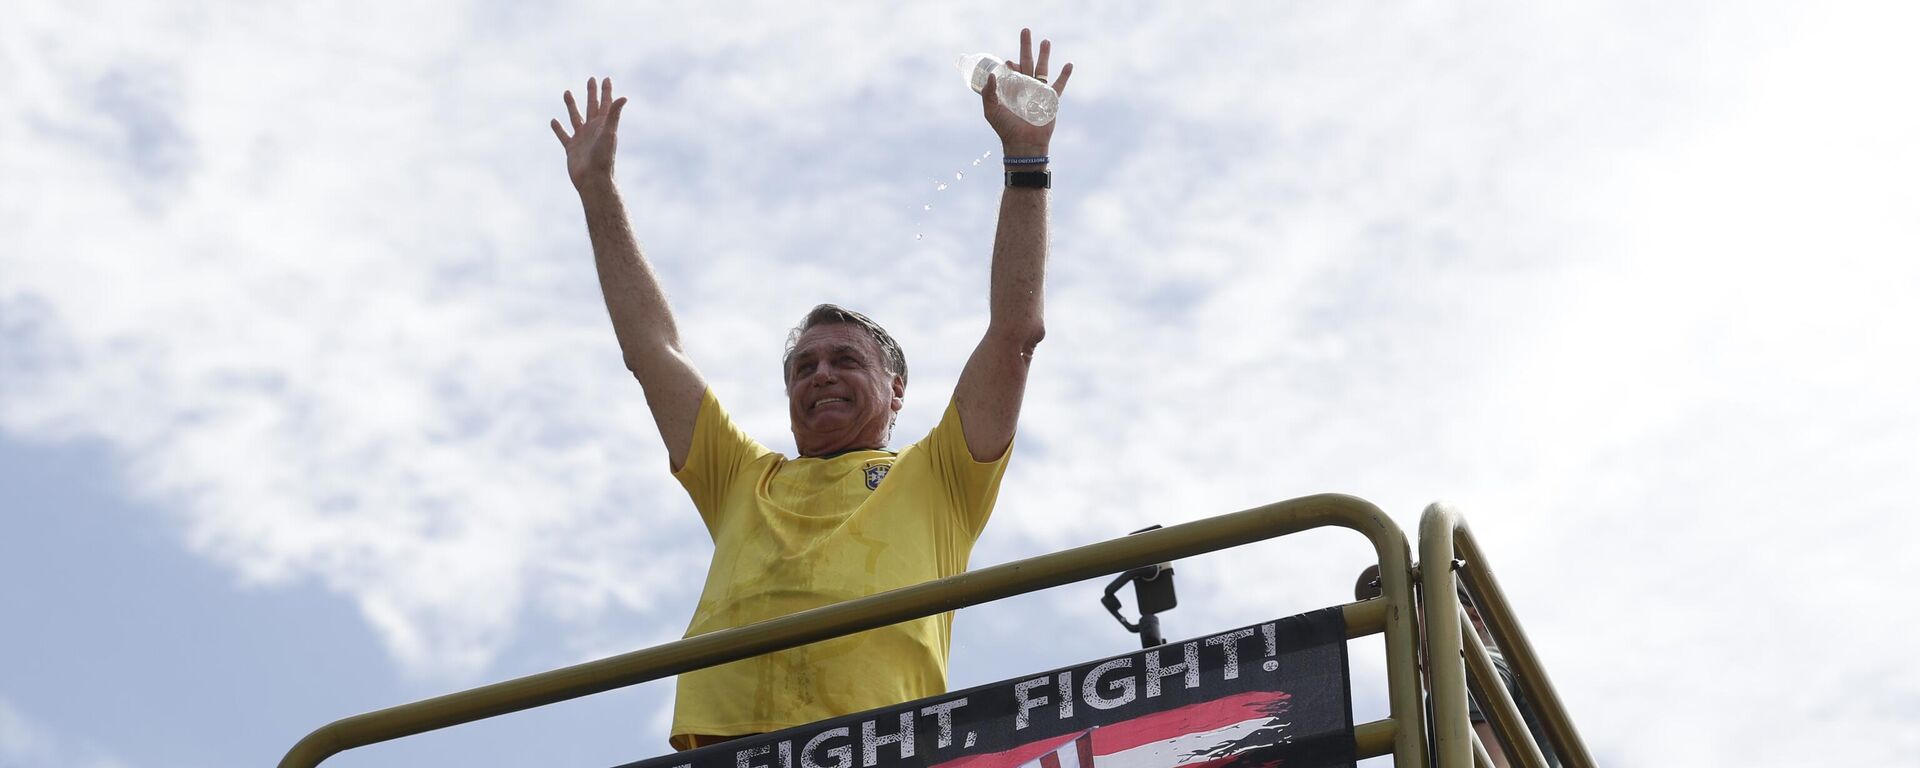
795, 534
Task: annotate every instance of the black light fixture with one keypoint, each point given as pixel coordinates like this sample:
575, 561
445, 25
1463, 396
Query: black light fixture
1152, 592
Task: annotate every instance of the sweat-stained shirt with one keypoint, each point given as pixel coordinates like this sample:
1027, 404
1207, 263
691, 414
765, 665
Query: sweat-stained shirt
795, 534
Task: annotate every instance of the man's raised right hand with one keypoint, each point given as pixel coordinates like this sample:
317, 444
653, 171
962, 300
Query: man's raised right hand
591, 145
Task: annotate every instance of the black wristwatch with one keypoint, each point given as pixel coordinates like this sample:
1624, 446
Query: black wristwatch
1030, 179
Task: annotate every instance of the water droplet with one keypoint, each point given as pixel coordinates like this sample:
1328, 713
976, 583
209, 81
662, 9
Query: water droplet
927, 207
941, 188
976, 161
958, 175
917, 235
987, 155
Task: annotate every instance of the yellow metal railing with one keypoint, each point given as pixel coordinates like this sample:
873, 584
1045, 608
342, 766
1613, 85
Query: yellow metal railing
1454, 649
1456, 660
1402, 734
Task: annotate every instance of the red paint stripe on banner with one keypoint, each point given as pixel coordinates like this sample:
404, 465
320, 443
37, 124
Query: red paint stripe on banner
1013, 757
1050, 759
1192, 718
1084, 751
1185, 751
1128, 734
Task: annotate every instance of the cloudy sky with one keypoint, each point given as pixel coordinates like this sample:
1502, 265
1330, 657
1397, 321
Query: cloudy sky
309, 405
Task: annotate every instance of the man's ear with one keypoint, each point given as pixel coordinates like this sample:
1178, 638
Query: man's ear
899, 394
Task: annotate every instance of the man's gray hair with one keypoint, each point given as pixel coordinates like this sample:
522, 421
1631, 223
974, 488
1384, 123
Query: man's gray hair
892, 359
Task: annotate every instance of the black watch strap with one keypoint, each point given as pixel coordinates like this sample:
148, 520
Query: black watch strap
1030, 179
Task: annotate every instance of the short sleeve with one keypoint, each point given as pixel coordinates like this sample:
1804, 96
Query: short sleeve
719, 454
973, 485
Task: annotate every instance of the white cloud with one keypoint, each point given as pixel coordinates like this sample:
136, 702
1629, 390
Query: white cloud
1627, 281
25, 742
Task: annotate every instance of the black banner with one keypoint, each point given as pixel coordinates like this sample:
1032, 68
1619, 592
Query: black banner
1270, 694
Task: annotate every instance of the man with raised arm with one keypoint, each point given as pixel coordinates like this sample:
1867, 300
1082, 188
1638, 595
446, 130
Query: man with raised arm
847, 517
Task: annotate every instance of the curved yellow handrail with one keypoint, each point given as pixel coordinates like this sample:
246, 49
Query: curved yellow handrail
926, 599
1444, 535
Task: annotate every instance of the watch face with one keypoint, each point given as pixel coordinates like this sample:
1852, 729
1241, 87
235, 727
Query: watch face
1030, 179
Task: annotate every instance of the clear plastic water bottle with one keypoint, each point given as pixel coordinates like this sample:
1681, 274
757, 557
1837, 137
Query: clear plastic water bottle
1034, 101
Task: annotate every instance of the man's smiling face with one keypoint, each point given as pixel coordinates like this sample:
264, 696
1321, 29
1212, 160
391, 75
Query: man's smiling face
839, 393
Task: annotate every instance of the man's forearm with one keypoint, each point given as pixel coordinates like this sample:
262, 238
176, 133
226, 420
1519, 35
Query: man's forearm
642, 321
1019, 262
992, 384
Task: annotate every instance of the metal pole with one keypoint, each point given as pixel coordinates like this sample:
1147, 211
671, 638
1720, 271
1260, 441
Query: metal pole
1446, 669
1491, 691
1505, 628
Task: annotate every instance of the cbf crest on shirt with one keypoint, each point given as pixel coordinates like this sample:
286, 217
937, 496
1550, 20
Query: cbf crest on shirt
877, 471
